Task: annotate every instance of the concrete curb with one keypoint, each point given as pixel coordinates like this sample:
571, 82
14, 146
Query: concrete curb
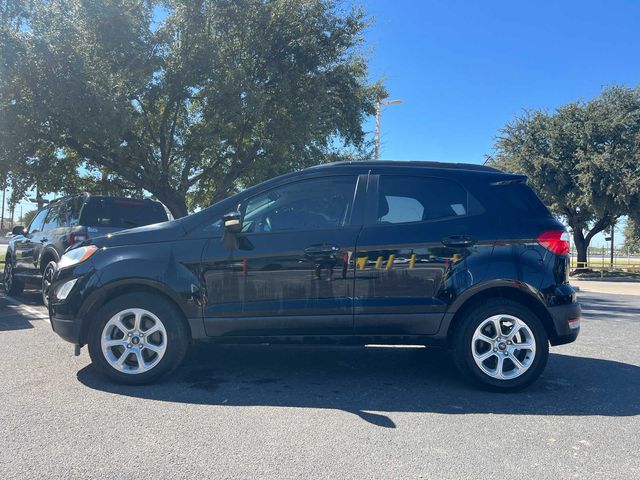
605, 279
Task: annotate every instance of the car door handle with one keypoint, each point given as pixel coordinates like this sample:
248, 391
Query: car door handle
458, 241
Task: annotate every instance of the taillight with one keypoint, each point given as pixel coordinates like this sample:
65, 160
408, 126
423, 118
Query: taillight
556, 241
77, 237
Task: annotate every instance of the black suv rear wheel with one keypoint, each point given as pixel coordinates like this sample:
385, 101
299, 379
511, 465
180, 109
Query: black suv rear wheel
501, 344
137, 338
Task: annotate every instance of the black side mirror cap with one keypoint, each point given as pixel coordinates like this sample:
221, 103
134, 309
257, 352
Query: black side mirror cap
17, 230
233, 222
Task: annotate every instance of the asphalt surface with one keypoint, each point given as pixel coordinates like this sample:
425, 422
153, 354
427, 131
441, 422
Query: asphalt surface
302, 412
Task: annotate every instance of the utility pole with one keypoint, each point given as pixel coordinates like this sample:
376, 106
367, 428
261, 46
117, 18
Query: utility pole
378, 111
4, 191
613, 231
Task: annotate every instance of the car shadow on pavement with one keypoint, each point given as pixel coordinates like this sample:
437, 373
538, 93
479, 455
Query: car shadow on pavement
11, 320
370, 382
594, 306
30, 297
12, 317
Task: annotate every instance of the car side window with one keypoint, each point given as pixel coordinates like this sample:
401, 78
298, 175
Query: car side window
405, 199
54, 218
38, 220
312, 204
73, 209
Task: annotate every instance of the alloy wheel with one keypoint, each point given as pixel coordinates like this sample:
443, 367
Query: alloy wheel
47, 278
133, 341
8, 276
503, 347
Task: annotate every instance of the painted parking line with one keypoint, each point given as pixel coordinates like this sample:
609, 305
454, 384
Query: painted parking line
35, 312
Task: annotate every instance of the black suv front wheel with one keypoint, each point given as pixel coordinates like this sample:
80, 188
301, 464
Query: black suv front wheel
12, 285
502, 345
47, 278
137, 338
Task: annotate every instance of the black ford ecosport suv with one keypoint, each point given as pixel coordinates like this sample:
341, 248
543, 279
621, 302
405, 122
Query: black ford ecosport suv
455, 255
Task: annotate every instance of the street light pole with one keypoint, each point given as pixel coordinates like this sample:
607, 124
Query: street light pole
4, 191
378, 110
613, 230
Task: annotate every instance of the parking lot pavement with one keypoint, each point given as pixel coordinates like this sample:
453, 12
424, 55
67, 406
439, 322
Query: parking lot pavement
616, 288
299, 412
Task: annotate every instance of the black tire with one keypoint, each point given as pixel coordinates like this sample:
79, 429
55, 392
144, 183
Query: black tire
47, 278
463, 345
12, 286
177, 337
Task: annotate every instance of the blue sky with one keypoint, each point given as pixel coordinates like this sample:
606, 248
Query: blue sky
465, 68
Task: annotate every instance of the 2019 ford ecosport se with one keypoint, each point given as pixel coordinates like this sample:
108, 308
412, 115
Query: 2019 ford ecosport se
454, 255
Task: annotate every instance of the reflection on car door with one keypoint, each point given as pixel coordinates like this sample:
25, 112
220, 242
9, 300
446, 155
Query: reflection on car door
290, 271
411, 247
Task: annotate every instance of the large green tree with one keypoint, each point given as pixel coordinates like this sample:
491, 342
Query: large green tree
583, 160
187, 99
632, 237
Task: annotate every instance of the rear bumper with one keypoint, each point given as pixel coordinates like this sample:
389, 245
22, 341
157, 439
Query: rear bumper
566, 321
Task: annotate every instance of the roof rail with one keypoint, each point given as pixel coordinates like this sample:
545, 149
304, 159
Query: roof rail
413, 163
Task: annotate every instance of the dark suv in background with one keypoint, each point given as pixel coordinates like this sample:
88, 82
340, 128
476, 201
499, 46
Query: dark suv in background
34, 252
455, 255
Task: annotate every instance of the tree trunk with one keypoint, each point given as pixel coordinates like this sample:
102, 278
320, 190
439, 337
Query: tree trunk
39, 199
582, 242
581, 246
174, 201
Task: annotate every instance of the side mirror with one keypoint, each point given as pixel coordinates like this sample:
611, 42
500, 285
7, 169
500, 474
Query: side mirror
233, 222
17, 230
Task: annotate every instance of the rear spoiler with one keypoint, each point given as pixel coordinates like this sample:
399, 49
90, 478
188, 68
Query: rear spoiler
512, 179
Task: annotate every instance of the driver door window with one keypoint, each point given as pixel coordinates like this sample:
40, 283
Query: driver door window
314, 204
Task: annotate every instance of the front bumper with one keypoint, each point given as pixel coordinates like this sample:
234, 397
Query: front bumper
67, 328
566, 321
66, 313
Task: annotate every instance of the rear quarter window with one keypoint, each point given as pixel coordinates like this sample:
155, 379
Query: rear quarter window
518, 198
410, 199
121, 213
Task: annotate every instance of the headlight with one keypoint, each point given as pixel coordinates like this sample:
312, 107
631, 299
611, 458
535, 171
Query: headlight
77, 255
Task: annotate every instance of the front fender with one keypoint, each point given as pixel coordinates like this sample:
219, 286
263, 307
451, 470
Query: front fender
169, 268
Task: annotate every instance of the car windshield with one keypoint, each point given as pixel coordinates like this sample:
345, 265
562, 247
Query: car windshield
121, 213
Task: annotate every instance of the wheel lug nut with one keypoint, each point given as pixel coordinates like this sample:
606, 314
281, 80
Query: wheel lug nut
128, 345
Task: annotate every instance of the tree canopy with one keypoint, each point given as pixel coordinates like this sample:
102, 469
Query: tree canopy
186, 99
632, 236
583, 160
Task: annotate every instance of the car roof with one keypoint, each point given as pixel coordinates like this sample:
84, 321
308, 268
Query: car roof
418, 167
